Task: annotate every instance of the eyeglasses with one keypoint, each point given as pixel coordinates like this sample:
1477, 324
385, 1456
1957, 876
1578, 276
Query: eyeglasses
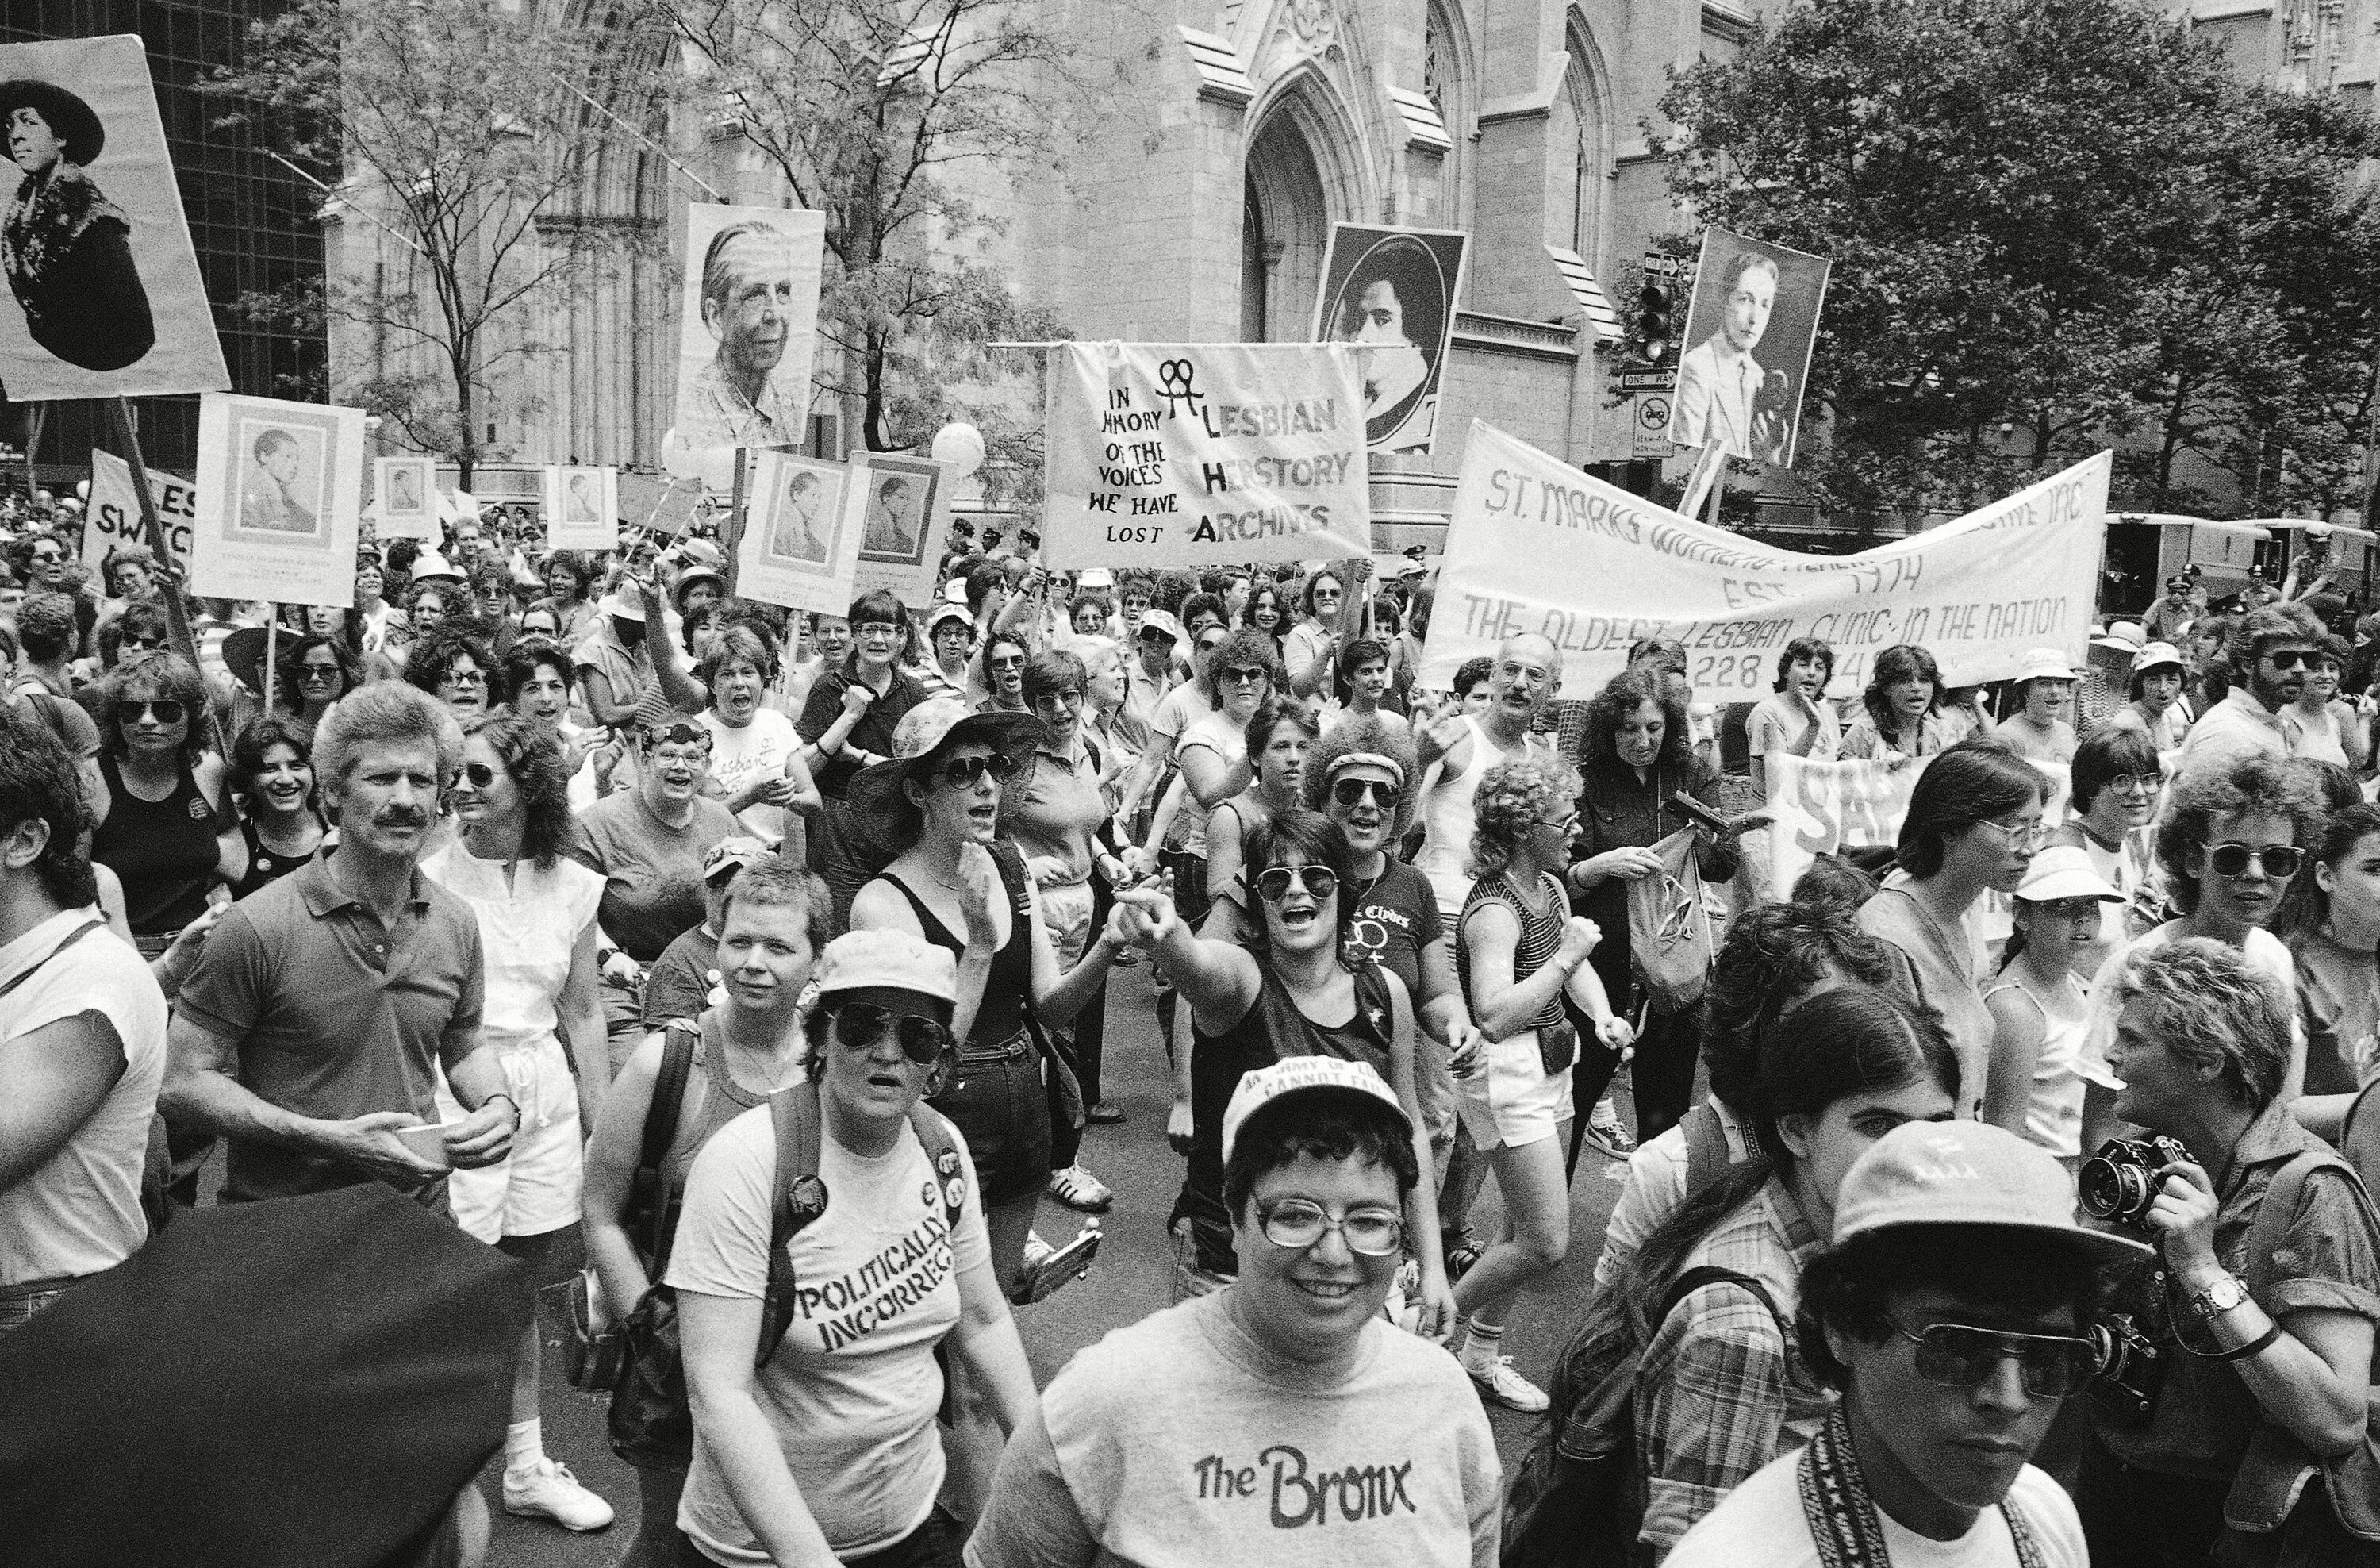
2292, 659
1355, 792
45, 557
1296, 1224
2126, 783
877, 628
1069, 698
859, 1024
480, 773
1245, 675
2029, 837
166, 710
2281, 860
1953, 1355
1005, 664
965, 771
142, 644
1319, 882
465, 677
1566, 827
314, 672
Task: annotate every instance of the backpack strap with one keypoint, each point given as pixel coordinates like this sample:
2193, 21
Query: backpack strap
678, 1037
1693, 1280
797, 1198
72, 937
1706, 1154
942, 1151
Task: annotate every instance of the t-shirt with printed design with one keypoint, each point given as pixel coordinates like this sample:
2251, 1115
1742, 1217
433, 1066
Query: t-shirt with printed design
1396, 917
853, 1387
1232, 1454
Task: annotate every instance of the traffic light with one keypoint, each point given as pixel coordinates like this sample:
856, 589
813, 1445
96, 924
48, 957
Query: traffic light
1655, 300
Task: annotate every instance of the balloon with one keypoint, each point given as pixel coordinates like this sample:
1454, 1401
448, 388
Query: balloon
961, 446
83, 489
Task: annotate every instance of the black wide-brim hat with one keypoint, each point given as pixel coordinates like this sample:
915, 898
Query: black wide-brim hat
77, 124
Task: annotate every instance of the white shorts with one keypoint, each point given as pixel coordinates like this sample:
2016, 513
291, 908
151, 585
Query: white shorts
535, 1188
1509, 1100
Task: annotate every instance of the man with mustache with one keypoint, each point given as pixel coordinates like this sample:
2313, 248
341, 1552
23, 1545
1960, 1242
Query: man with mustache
323, 1006
2271, 655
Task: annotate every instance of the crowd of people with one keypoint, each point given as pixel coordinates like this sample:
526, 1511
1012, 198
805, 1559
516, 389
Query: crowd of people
584, 903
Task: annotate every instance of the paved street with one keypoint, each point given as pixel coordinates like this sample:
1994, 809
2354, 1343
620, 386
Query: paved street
1130, 1279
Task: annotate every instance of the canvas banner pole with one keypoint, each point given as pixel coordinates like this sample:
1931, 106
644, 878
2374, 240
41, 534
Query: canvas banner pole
33, 428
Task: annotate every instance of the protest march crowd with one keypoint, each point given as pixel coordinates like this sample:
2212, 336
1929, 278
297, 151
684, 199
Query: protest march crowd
1991, 1194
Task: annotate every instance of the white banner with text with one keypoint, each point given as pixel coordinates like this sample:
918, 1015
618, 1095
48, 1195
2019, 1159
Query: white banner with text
1536, 546
1163, 454
114, 518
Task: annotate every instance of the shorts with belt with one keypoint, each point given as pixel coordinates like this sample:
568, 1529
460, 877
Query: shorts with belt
534, 1189
1000, 1105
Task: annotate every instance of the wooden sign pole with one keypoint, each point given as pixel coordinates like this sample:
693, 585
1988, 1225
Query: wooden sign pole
152, 530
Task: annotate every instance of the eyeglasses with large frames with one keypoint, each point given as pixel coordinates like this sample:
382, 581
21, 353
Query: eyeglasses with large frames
1954, 1356
2280, 861
859, 1024
2023, 838
1296, 1224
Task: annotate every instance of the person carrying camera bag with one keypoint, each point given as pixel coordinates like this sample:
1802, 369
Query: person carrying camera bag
2253, 1445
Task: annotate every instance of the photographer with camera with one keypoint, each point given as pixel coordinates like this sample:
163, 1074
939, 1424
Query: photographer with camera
2261, 1309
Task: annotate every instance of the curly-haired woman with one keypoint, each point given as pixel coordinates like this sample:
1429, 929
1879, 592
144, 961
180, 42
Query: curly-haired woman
1900, 711
1521, 954
1638, 752
455, 668
536, 910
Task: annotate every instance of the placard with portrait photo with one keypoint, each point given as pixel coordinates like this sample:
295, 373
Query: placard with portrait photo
748, 327
404, 497
106, 298
280, 487
799, 546
1749, 333
1392, 292
904, 509
582, 507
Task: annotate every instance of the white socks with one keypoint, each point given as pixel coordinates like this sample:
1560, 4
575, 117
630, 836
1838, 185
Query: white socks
1481, 1347
524, 1446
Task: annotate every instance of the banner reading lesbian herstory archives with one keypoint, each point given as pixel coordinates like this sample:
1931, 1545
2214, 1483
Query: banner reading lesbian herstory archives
1197, 454
1536, 546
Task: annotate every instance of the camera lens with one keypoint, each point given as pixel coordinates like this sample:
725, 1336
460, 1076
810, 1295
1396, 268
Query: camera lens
2106, 1351
2100, 1187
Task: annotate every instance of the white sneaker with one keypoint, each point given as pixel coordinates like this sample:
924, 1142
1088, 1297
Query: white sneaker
1503, 1386
1081, 1191
552, 1491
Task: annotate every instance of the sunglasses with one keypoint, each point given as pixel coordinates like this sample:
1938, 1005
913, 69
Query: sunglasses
318, 672
1238, 676
1355, 792
2293, 658
480, 773
1319, 882
47, 557
1007, 663
859, 1024
1953, 1355
965, 771
166, 710
142, 644
2281, 860
1296, 1224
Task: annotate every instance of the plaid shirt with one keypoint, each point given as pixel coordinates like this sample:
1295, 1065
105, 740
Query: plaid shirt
1722, 1389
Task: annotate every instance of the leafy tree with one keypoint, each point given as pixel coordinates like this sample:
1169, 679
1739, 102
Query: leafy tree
456, 131
2020, 197
904, 122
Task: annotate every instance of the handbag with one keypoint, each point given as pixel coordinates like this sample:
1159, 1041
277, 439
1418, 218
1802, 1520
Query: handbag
592, 1359
1670, 947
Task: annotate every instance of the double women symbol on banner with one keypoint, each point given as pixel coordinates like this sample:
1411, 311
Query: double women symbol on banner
1175, 380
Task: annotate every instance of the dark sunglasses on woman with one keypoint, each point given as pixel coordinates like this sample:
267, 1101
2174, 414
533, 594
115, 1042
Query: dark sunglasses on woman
167, 709
1272, 882
480, 773
1351, 792
2281, 860
963, 771
859, 1024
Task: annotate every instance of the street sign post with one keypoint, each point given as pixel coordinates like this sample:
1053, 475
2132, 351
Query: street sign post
1650, 427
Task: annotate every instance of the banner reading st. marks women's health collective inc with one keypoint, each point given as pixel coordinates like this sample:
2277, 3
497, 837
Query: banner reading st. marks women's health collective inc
1198, 454
1537, 546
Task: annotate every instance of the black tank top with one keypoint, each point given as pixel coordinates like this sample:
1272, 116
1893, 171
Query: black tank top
1274, 1029
1001, 1016
163, 851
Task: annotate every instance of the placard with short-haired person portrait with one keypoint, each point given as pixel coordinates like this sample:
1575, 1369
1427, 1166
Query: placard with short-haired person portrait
748, 326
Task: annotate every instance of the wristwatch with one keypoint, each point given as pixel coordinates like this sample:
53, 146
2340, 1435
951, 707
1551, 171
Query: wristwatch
2217, 1299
